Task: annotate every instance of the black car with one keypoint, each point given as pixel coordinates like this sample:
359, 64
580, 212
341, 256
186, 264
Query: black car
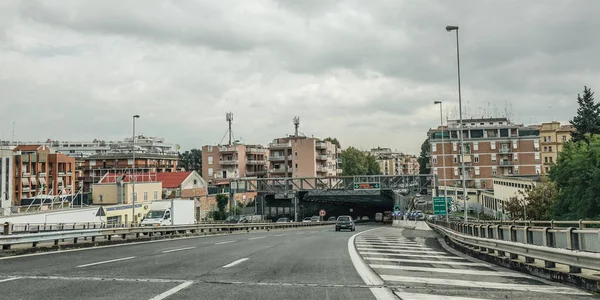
344, 222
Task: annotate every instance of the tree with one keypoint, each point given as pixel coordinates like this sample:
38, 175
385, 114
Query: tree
333, 141
535, 203
577, 178
372, 165
424, 158
222, 200
354, 162
514, 207
587, 119
191, 160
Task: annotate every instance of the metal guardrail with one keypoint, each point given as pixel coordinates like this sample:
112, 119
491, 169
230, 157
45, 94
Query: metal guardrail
16, 228
540, 223
576, 248
34, 239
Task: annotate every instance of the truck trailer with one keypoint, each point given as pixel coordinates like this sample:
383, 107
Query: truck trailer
170, 212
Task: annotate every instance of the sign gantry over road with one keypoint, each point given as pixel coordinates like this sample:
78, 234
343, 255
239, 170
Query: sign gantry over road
439, 205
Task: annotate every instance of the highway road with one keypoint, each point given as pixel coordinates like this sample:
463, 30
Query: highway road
308, 263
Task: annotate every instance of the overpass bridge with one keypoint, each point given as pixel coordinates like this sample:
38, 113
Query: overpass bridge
366, 193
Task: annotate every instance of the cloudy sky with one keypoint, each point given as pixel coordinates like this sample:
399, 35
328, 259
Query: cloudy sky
366, 72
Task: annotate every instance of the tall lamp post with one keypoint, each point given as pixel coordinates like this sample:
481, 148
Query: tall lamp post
133, 167
443, 158
462, 148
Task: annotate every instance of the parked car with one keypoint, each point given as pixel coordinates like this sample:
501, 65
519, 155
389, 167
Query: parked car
283, 220
315, 219
345, 222
365, 218
307, 220
236, 219
331, 219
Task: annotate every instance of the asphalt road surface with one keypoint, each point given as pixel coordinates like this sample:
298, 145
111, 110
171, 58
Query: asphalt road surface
307, 263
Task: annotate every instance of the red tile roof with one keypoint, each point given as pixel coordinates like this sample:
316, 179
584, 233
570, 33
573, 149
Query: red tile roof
172, 180
27, 147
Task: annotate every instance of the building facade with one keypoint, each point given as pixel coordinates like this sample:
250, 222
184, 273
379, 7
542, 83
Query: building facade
493, 202
395, 163
299, 156
553, 136
234, 161
493, 147
39, 170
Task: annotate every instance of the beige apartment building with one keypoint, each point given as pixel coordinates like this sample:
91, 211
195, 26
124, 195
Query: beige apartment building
553, 135
298, 156
395, 163
493, 147
234, 161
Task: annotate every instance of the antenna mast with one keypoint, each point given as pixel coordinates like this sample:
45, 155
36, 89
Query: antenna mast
296, 125
229, 119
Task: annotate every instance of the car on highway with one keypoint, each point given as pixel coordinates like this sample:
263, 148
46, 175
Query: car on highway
344, 222
365, 218
315, 219
331, 219
236, 219
283, 220
307, 220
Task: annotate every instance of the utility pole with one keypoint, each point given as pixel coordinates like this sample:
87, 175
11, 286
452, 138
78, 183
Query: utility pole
133, 177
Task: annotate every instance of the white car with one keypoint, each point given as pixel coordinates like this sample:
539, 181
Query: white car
307, 220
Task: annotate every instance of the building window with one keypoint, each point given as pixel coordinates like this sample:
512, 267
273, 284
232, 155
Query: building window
476, 158
549, 148
454, 146
545, 149
209, 149
145, 196
547, 170
476, 146
297, 166
538, 169
516, 170
494, 170
434, 160
493, 145
433, 147
493, 157
210, 171
455, 171
455, 159
550, 139
550, 159
477, 171
516, 156
545, 159
544, 139
537, 156
210, 160
134, 197
564, 138
435, 170
515, 144
212, 207
155, 195
296, 154
536, 145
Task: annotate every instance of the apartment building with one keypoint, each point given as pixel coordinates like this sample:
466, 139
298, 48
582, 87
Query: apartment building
492, 202
234, 161
299, 156
395, 163
493, 147
91, 169
39, 170
553, 135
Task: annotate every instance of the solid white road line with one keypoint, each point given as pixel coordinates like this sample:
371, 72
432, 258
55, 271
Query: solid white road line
225, 242
411, 255
106, 261
413, 296
450, 271
172, 291
257, 238
367, 274
393, 247
390, 244
280, 234
180, 249
401, 250
486, 285
299, 232
433, 262
235, 262
9, 279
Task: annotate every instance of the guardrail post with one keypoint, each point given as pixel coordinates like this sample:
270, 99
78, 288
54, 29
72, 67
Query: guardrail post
55, 242
581, 224
573, 244
528, 239
74, 240
548, 241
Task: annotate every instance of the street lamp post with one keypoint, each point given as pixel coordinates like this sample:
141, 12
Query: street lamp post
133, 178
443, 159
462, 145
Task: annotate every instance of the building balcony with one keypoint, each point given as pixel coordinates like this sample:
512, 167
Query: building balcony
321, 157
321, 145
256, 150
26, 189
506, 163
277, 170
25, 175
256, 173
69, 173
279, 158
228, 162
505, 150
322, 169
42, 174
340, 171
227, 149
280, 146
256, 162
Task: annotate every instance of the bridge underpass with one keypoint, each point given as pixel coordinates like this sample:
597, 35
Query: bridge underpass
357, 196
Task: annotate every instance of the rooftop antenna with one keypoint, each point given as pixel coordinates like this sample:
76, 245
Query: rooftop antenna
13, 133
296, 125
229, 119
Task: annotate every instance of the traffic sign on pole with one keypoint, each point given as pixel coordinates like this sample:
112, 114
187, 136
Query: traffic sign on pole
439, 205
322, 213
397, 208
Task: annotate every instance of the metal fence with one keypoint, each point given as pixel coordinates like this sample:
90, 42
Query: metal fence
576, 247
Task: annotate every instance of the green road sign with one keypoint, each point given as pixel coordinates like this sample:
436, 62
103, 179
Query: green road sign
366, 186
397, 208
439, 205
